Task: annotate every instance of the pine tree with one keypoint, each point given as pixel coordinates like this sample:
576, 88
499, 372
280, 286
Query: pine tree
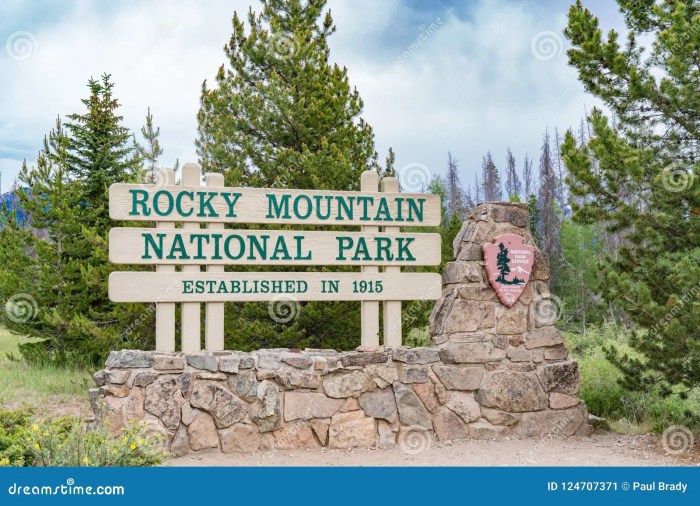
100, 150
152, 150
282, 115
513, 185
560, 171
65, 249
644, 182
491, 180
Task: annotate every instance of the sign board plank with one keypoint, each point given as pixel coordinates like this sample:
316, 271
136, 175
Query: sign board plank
270, 247
271, 206
266, 286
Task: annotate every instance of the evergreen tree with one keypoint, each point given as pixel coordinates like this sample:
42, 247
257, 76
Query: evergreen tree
491, 180
100, 150
152, 150
559, 166
282, 115
64, 249
644, 183
513, 185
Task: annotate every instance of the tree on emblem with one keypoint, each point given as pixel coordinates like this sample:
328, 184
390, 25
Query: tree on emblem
502, 262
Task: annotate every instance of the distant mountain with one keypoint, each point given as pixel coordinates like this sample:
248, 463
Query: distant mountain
10, 202
520, 270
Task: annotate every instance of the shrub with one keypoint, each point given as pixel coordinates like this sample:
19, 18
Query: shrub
604, 394
66, 442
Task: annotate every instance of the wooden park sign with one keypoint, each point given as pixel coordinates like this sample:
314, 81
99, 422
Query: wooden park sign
178, 239
508, 264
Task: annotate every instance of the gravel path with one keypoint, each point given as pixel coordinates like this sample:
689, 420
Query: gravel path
604, 449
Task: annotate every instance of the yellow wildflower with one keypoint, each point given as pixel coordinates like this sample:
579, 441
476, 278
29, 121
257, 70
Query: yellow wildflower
85, 460
37, 446
133, 446
35, 428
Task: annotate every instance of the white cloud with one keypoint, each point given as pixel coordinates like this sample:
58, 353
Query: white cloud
471, 85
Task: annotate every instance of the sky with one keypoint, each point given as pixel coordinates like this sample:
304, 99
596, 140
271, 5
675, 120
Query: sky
435, 75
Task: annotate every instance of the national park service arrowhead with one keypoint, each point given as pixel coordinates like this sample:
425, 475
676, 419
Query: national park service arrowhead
508, 264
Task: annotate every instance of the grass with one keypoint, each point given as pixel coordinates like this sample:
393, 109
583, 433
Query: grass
46, 390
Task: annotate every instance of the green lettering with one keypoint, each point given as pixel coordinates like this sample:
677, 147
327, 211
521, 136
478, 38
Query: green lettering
206, 202
255, 244
281, 209
383, 210
281, 247
298, 239
178, 246
157, 248
170, 199
135, 201
309, 207
178, 202
403, 248
227, 247
227, 197
383, 244
414, 207
344, 243
199, 238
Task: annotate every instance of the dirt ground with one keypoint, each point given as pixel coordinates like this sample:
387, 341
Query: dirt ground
604, 449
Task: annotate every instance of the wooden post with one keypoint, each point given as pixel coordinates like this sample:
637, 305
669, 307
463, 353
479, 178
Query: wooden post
392, 308
214, 320
369, 182
191, 316
165, 311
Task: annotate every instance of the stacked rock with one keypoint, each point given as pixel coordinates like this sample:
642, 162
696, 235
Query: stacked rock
513, 359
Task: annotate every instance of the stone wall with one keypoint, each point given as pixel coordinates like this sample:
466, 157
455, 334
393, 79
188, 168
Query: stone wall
493, 371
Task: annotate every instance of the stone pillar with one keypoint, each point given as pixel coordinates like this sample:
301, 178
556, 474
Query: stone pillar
528, 385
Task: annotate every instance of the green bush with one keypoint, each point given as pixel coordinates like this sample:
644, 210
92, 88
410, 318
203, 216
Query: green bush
604, 394
14, 450
66, 442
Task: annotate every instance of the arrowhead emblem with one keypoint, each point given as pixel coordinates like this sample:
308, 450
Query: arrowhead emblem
508, 264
